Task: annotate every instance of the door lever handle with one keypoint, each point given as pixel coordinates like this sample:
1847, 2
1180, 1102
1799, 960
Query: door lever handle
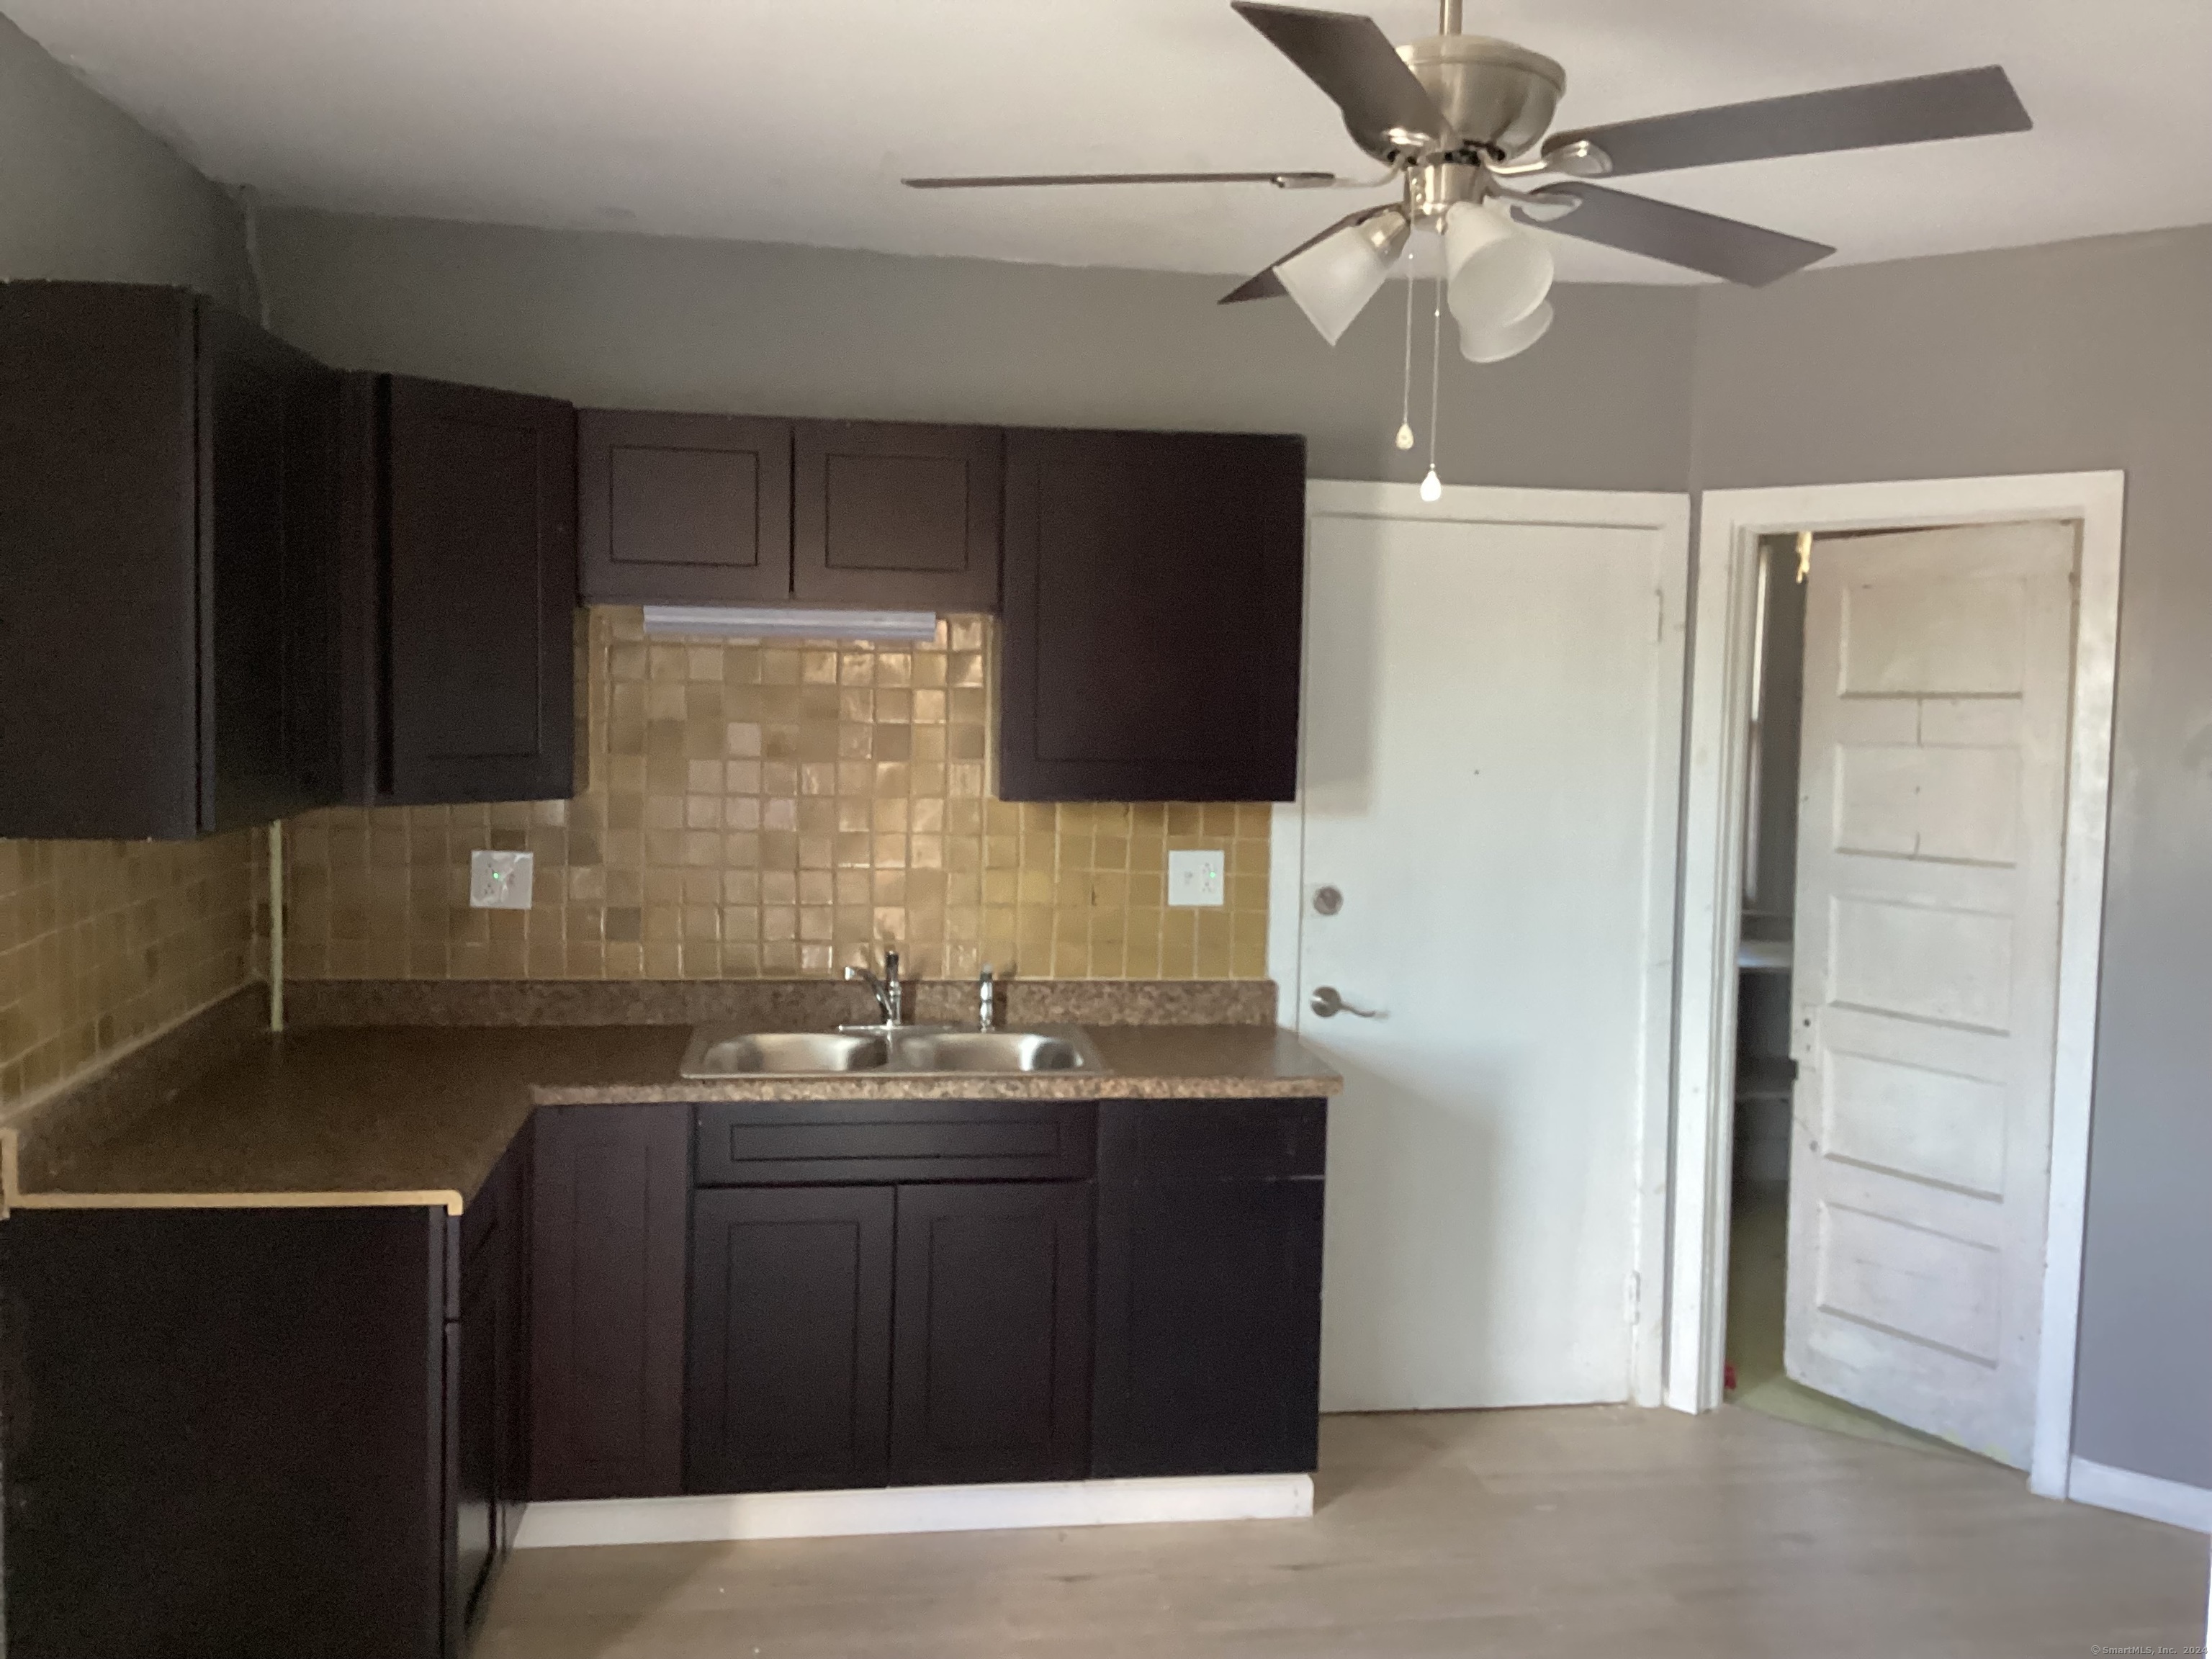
1327, 1003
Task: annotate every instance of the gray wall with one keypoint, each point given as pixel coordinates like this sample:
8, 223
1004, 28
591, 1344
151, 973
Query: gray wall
659, 322
2085, 355
87, 193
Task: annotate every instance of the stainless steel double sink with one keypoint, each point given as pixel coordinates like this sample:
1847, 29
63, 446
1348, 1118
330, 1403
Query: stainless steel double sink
881, 1050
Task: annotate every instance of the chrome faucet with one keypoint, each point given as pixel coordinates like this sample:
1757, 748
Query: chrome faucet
890, 994
987, 1001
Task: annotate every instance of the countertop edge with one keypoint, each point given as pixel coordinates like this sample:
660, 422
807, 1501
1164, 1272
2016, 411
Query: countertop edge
512, 1099
714, 1091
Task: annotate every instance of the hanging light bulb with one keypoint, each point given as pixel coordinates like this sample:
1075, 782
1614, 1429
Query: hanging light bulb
1432, 487
1405, 435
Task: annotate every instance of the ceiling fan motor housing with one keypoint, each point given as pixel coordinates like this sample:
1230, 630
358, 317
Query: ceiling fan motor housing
1498, 97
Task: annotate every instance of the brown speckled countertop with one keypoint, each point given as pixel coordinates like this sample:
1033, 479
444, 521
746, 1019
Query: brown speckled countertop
363, 1114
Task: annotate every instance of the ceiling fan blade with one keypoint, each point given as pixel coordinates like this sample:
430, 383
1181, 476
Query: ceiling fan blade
1281, 180
1265, 285
1681, 236
1963, 104
1351, 59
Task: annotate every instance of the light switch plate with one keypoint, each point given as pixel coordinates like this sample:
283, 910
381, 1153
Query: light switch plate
499, 881
1195, 877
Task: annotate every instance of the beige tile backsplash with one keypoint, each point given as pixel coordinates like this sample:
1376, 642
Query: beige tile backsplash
102, 943
766, 810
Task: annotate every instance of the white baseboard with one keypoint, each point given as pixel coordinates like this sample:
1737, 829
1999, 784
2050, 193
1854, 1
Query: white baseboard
913, 1508
2146, 1495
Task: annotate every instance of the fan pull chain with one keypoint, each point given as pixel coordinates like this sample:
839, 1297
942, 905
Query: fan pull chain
1406, 395
1432, 487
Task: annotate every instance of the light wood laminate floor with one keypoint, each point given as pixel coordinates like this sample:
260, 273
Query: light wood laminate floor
1599, 1530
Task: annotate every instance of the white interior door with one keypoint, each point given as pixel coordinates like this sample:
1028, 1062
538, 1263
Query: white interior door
1938, 668
1492, 750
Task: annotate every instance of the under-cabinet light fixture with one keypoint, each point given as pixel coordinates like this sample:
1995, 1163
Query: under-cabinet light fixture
769, 622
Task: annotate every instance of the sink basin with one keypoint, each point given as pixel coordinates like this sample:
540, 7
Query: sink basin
912, 1051
749, 1055
988, 1051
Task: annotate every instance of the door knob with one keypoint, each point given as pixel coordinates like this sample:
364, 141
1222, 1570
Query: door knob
1328, 1003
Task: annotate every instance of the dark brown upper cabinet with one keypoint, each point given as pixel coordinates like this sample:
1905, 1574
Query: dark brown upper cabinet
683, 509
1153, 589
461, 594
167, 501
902, 518
736, 509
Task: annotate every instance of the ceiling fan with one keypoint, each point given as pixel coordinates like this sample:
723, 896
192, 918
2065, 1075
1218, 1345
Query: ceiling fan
1460, 123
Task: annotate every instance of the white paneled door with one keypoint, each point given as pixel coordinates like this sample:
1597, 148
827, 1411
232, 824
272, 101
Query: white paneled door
1932, 829
1491, 772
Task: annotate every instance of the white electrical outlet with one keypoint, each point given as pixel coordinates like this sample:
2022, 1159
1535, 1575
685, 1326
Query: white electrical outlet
1195, 877
499, 881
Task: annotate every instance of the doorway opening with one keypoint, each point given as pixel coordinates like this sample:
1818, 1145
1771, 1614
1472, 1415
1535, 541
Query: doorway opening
1924, 960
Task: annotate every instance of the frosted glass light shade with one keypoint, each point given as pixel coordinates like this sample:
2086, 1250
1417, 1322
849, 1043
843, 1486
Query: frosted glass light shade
1333, 280
1495, 273
1495, 345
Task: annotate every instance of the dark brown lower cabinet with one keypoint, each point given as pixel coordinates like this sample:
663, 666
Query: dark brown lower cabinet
487, 1382
865, 1336
790, 1322
611, 1227
260, 1433
473, 1417
1209, 1288
225, 1433
991, 1358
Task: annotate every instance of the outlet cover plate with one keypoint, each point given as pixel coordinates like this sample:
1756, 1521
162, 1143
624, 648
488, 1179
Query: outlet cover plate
1196, 878
499, 881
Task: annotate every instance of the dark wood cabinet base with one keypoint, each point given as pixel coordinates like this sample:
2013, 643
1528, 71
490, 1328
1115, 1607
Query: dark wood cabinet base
248, 1432
226, 1433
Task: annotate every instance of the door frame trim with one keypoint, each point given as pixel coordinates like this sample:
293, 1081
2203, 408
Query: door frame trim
1668, 514
1730, 524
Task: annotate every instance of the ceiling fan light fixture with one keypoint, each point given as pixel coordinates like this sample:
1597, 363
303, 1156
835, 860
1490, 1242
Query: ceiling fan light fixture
1495, 272
1333, 280
1495, 345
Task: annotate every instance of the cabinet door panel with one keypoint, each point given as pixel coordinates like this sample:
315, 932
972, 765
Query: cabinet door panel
269, 434
791, 1314
97, 450
225, 1433
1153, 614
166, 474
1209, 1328
897, 516
990, 1369
609, 1223
683, 509
479, 631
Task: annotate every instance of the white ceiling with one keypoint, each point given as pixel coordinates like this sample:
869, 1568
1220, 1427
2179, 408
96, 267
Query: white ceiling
792, 120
